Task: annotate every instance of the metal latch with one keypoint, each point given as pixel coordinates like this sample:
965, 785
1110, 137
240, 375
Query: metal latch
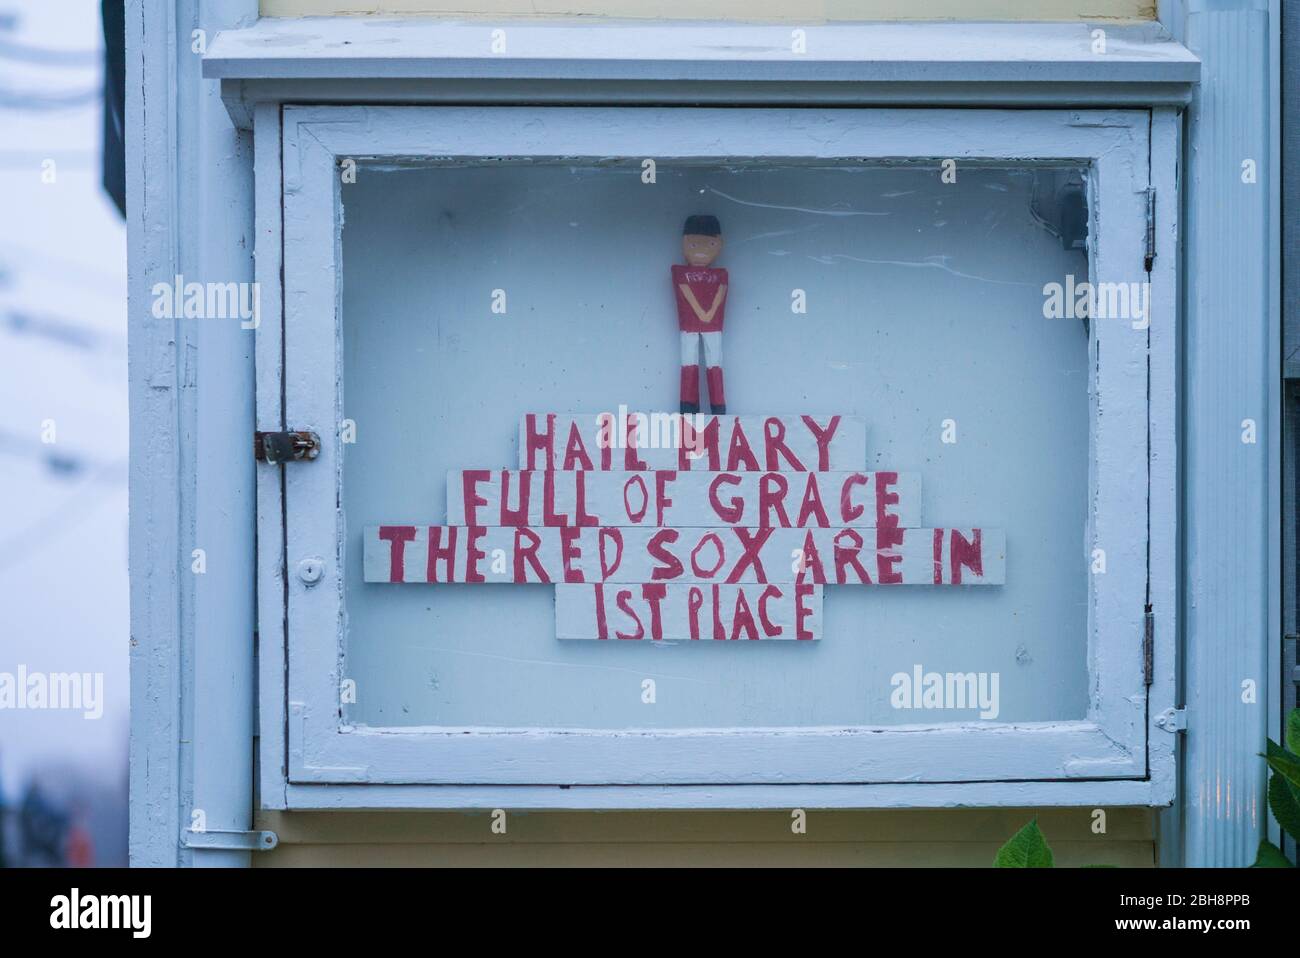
1172, 720
215, 838
285, 446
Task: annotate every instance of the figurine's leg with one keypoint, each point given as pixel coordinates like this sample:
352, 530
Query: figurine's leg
713, 365
690, 391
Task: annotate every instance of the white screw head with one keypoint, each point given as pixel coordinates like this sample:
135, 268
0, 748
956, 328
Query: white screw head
310, 570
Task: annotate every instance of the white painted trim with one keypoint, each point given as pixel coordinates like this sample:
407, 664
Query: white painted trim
981, 53
157, 682
269, 361
189, 185
539, 798
1232, 372
1165, 571
344, 60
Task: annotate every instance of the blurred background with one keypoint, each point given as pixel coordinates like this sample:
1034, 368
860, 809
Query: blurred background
63, 433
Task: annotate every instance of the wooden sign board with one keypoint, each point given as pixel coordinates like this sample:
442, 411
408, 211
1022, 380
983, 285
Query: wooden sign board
636, 442
657, 611
684, 527
682, 499
573, 554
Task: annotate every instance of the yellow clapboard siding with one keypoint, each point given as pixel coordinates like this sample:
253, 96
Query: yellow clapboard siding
752, 10
949, 837
1124, 854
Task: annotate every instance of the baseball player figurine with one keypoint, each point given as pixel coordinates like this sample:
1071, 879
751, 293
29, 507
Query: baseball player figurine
701, 293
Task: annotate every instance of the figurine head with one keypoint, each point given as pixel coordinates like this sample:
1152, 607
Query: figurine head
701, 240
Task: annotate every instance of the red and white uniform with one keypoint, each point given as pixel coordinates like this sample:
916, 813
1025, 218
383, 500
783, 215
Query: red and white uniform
706, 283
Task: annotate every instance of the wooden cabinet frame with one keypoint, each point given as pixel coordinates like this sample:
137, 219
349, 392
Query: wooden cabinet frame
1122, 753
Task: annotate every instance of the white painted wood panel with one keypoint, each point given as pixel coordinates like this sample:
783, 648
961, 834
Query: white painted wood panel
658, 612
659, 440
509, 497
548, 554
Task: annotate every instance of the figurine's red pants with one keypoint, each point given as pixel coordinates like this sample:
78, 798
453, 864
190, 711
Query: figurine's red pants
712, 344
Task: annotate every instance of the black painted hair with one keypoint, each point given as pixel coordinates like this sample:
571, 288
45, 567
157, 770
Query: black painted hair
702, 224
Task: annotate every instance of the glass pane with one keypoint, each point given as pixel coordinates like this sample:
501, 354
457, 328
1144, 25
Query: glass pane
924, 317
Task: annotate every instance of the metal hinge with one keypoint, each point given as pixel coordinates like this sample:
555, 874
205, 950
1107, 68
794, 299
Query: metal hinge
230, 840
1149, 256
1172, 720
1148, 644
285, 446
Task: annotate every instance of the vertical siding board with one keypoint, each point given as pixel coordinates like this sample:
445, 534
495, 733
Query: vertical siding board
271, 662
1227, 491
154, 452
191, 461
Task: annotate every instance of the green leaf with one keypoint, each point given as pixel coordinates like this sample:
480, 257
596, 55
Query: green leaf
1283, 762
1292, 737
1027, 849
1270, 856
1284, 802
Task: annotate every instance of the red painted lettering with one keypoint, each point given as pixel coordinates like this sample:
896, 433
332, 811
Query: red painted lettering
397, 537
848, 511
438, 554
962, 553
774, 434
750, 555
602, 627
543, 441
739, 452
473, 553
549, 516
631, 461
671, 567
662, 502
772, 488
717, 545
812, 561
823, 437
770, 628
575, 453
515, 517
580, 516
848, 556
622, 599
801, 611
812, 504
528, 554
570, 551
888, 534
613, 535
637, 514
694, 600
732, 512
654, 594
469, 481
743, 618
